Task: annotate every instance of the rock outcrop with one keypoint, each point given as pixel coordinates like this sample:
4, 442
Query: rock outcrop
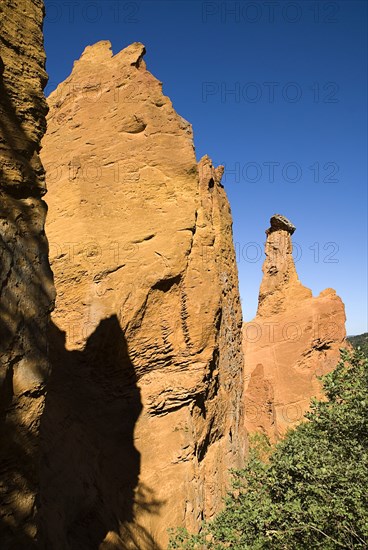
293, 339
26, 288
145, 396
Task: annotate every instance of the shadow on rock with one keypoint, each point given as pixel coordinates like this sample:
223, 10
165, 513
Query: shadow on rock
89, 487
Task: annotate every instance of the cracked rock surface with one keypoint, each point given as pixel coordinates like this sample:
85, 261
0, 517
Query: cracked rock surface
293, 339
146, 389
26, 288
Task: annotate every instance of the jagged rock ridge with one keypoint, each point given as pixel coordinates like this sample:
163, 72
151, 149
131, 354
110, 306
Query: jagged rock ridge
293, 339
145, 397
26, 289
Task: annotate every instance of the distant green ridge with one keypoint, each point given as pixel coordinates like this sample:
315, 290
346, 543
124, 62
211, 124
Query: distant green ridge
361, 341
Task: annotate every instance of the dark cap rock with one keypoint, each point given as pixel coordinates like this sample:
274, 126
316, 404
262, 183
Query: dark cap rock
280, 223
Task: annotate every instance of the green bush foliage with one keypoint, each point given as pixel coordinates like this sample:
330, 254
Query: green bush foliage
309, 490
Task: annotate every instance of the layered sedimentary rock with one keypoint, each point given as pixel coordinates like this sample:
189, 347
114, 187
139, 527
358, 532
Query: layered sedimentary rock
26, 290
144, 401
293, 339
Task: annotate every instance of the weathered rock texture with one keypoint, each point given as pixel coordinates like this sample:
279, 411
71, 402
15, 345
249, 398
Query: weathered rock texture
294, 338
26, 290
145, 395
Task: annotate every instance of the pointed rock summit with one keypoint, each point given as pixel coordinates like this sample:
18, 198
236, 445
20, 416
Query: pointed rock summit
294, 338
145, 413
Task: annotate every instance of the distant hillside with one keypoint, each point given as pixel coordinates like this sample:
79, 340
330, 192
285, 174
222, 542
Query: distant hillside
360, 340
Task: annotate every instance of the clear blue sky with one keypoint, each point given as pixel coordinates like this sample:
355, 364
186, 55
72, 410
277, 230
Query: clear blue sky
276, 91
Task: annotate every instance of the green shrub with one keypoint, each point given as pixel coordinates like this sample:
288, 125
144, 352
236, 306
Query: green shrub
308, 491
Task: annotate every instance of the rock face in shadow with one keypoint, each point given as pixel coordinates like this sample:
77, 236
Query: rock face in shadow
294, 338
90, 472
26, 288
141, 234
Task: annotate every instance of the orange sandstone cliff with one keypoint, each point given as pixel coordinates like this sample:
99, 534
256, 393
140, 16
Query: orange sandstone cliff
26, 289
293, 339
144, 413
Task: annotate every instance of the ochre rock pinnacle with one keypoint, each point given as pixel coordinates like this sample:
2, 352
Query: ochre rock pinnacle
148, 303
293, 339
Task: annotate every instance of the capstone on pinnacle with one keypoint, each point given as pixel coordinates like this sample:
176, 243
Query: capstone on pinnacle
280, 223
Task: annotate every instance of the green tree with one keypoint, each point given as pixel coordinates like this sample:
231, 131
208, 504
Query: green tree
310, 490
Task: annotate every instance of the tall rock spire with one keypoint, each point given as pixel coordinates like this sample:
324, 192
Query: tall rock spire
280, 284
293, 339
146, 393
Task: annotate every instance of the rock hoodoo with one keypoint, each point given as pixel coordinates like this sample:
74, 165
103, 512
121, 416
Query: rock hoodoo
294, 338
26, 288
146, 388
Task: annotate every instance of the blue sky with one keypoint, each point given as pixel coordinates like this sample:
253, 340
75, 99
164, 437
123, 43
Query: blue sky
276, 91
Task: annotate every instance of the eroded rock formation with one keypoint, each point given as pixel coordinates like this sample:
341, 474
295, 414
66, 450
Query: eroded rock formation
26, 289
294, 338
145, 394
